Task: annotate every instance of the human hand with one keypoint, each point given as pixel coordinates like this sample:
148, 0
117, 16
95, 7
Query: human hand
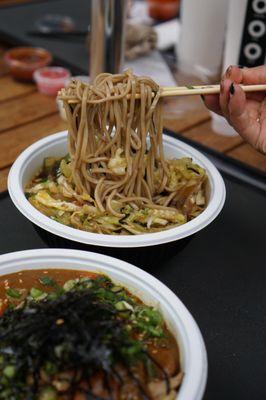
246, 112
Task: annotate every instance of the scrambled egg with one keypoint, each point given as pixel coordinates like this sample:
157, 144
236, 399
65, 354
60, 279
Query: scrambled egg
44, 198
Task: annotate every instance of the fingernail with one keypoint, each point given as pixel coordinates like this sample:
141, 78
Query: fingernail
202, 97
228, 71
232, 89
241, 66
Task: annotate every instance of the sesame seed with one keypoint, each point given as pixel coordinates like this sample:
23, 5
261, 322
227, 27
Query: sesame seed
59, 321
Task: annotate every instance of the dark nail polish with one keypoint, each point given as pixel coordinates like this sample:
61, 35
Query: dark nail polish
232, 89
202, 97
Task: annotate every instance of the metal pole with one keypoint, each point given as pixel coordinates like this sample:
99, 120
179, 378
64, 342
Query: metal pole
107, 36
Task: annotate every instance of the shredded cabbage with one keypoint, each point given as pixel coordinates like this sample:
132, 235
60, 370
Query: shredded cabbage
53, 193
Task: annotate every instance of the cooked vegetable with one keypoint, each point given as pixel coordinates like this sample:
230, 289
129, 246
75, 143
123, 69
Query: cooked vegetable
45, 280
13, 293
182, 199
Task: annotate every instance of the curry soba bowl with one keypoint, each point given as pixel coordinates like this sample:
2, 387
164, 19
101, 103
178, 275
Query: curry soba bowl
78, 325
45, 199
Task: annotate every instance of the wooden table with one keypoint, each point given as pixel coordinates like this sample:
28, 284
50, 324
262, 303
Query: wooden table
26, 116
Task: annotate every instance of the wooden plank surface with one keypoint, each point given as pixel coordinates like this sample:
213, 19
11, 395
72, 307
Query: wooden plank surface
181, 114
31, 107
10, 89
14, 141
3, 179
3, 66
204, 134
248, 154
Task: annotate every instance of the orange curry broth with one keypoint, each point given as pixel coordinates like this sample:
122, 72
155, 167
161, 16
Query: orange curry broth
30, 278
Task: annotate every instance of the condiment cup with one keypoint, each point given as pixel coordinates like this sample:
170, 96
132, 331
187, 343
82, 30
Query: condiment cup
23, 61
51, 79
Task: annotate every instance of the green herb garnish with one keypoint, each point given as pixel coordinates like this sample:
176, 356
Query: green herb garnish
37, 293
14, 293
46, 281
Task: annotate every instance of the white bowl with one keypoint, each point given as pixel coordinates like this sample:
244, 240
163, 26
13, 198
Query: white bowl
55, 145
193, 355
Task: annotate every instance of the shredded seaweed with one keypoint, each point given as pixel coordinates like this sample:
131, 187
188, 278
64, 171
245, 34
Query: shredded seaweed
80, 330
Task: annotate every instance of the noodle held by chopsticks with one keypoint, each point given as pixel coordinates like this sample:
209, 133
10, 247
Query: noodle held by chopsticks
117, 163
108, 137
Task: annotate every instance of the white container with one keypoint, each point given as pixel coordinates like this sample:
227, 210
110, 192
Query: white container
201, 41
146, 287
55, 145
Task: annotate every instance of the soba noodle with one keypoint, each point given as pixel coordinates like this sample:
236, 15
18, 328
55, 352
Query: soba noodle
108, 139
117, 162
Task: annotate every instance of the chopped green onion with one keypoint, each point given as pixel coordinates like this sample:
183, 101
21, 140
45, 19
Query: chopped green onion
50, 368
13, 293
9, 371
46, 281
85, 282
48, 393
102, 279
36, 293
123, 305
150, 368
53, 296
70, 284
116, 289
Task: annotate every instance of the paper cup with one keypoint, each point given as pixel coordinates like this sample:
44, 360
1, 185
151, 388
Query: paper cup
31, 160
146, 287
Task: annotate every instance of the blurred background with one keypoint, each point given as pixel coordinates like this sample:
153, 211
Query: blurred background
176, 42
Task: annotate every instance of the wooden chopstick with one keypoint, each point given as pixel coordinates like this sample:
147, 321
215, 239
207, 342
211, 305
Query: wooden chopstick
206, 89
190, 90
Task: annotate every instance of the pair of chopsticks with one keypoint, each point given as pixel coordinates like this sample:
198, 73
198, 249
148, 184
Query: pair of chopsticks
189, 90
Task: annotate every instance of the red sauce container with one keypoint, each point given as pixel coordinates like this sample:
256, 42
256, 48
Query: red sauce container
51, 79
163, 10
23, 61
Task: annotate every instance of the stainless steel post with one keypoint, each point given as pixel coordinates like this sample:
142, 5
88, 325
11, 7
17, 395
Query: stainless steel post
106, 36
